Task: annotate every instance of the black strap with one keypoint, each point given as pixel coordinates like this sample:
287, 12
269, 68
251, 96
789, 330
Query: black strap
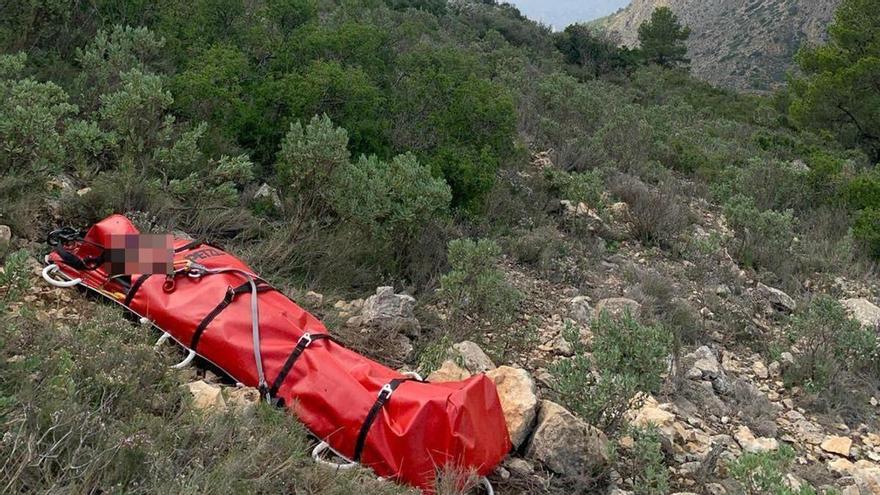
187, 246
74, 261
301, 345
384, 394
134, 288
227, 300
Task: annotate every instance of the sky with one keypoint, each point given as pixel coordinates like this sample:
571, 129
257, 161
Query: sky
561, 13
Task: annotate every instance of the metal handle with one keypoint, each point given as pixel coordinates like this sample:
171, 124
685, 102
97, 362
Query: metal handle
321, 447
51, 270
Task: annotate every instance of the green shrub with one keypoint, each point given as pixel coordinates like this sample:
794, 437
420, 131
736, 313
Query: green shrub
830, 345
15, 278
867, 231
644, 465
765, 472
656, 216
100, 411
762, 237
577, 187
627, 358
475, 287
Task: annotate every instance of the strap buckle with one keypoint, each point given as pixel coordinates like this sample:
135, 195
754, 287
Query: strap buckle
305, 340
195, 270
385, 392
62, 235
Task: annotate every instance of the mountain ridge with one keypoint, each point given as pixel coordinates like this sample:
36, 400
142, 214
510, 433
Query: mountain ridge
745, 45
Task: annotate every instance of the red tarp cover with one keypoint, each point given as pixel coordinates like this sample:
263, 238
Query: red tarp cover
421, 428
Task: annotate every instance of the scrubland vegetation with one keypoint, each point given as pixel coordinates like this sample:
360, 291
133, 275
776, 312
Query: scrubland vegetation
342, 145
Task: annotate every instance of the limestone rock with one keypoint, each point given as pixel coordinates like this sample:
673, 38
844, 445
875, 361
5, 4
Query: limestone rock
472, 357
760, 370
616, 307
579, 309
391, 311
206, 396
837, 445
5, 240
865, 474
268, 195
780, 301
750, 443
519, 466
313, 299
566, 444
242, 399
519, 400
449, 371
703, 364
863, 311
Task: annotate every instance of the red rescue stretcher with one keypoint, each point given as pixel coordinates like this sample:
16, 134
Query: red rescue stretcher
215, 306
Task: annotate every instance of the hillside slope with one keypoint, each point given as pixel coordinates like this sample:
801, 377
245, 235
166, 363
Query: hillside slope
742, 44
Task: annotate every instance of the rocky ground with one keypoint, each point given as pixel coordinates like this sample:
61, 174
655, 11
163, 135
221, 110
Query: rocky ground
722, 399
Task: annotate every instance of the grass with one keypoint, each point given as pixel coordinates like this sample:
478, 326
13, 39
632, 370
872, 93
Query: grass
91, 407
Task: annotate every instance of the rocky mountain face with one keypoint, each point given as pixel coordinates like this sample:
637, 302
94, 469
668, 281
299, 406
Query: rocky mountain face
741, 44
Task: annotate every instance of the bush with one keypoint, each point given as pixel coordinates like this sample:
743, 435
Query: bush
101, 411
476, 288
577, 187
644, 465
866, 231
655, 215
830, 345
765, 472
762, 237
15, 278
627, 358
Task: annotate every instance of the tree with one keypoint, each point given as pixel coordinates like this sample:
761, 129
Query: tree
840, 89
581, 45
663, 39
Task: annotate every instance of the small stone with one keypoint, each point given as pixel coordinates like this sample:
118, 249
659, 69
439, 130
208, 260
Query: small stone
242, 399
579, 309
837, 445
82, 192
747, 440
519, 466
780, 301
760, 370
472, 357
313, 299
391, 311
268, 195
5, 240
616, 307
449, 371
206, 396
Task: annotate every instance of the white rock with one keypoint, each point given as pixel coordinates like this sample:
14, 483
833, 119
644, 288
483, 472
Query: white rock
391, 311
5, 239
566, 444
242, 399
579, 309
863, 311
206, 396
837, 445
449, 371
616, 307
313, 299
519, 400
750, 443
472, 357
778, 299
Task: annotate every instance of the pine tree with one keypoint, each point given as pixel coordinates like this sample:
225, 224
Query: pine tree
663, 39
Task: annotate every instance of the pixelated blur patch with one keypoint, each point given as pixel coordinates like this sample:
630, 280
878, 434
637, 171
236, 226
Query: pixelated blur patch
130, 254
